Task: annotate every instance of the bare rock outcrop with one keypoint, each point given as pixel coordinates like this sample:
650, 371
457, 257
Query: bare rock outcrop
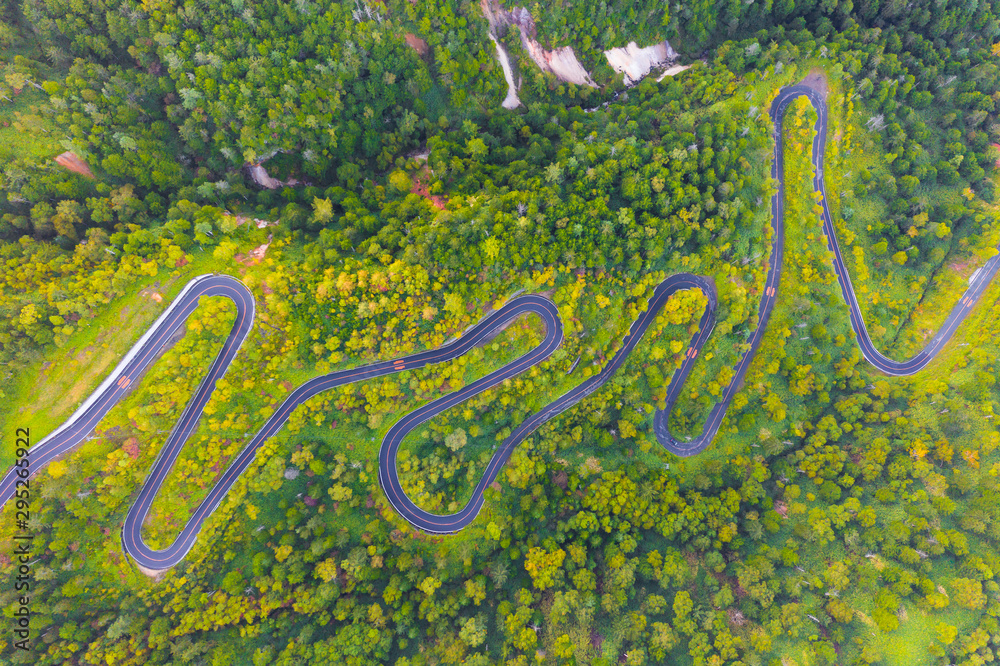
636, 62
523, 19
561, 61
262, 178
633, 61
671, 71
511, 101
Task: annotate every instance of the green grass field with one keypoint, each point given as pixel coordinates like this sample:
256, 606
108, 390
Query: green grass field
24, 133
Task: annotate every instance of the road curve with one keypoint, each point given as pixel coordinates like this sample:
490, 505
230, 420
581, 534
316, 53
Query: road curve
77, 428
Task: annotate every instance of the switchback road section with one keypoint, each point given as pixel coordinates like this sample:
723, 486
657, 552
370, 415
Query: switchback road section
82, 422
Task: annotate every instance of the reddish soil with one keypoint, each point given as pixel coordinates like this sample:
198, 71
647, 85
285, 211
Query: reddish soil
964, 267
997, 146
417, 44
436, 200
152, 294
253, 257
70, 161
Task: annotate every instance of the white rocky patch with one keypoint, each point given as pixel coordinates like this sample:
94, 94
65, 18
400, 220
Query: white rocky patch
636, 62
511, 102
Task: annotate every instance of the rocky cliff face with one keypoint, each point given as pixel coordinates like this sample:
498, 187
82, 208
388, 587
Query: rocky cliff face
560, 61
633, 60
511, 101
636, 62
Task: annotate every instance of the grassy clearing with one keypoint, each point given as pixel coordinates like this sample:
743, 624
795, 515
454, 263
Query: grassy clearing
907, 645
944, 290
23, 132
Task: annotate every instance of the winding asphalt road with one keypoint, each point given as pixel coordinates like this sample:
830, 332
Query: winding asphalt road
81, 424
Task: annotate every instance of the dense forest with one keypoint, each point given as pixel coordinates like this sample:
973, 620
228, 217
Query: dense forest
839, 517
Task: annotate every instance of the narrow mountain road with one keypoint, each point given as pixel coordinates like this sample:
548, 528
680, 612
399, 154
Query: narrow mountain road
81, 424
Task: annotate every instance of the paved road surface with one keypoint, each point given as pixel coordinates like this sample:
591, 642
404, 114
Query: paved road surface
130, 370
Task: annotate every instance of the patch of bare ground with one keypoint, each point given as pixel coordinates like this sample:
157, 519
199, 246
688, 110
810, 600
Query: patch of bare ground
511, 101
561, 479
253, 257
423, 190
70, 161
258, 253
635, 62
816, 79
155, 574
260, 176
560, 61
152, 294
964, 267
419, 155
417, 44
244, 219
781, 508
673, 71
